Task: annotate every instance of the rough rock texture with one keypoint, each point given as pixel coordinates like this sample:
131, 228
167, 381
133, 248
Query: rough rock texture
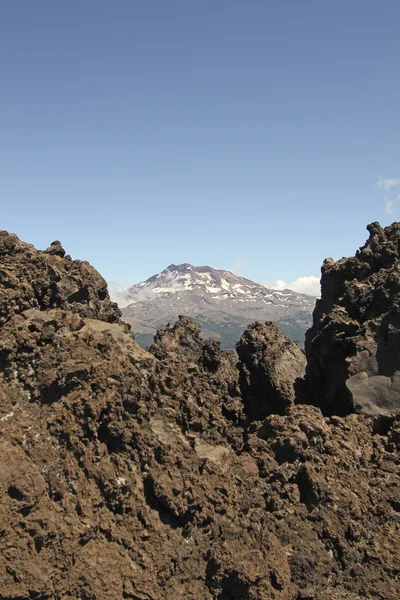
353, 347
270, 364
33, 279
181, 340
134, 474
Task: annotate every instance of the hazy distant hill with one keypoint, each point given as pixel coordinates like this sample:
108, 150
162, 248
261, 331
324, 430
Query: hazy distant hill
223, 303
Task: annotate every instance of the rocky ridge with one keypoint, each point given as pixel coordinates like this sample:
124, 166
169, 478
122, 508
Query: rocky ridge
169, 474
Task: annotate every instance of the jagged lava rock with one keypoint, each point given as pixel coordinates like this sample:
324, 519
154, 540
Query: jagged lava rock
181, 339
199, 369
353, 347
269, 364
30, 278
134, 474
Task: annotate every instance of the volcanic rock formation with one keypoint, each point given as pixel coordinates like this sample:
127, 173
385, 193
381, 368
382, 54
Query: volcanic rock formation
143, 475
49, 279
270, 364
353, 347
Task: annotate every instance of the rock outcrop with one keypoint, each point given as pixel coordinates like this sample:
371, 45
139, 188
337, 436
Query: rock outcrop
139, 475
353, 347
269, 363
181, 340
44, 280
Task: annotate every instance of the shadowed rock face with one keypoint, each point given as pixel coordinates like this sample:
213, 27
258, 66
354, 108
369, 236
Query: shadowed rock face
353, 347
134, 474
269, 363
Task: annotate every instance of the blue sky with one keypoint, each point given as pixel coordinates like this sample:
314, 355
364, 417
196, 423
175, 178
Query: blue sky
222, 132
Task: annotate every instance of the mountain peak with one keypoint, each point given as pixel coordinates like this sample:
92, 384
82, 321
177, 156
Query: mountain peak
210, 282
182, 267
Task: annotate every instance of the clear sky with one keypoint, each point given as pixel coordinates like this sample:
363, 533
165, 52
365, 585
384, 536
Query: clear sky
225, 132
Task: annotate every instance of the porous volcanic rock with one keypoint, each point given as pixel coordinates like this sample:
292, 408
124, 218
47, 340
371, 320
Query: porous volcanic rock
202, 373
133, 474
269, 363
181, 339
353, 347
30, 278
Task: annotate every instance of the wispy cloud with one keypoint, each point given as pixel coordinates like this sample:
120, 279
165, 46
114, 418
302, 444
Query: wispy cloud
387, 182
390, 204
125, 295
118, 293
305, 285
293, 193
237, 266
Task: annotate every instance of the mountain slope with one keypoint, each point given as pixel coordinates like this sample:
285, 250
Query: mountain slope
223, 303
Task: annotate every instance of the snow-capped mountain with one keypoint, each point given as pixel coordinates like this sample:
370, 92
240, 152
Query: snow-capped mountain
222, 302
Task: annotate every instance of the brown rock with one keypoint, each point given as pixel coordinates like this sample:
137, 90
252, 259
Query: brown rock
30, 278
125, 475
181, 339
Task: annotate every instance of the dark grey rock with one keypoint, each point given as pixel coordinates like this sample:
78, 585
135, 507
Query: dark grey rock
269, 365
356, 330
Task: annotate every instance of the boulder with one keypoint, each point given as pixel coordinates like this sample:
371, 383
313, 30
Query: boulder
180, 339
270, 364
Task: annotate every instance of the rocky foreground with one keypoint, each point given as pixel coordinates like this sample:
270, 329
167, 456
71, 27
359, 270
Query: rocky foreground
188, 472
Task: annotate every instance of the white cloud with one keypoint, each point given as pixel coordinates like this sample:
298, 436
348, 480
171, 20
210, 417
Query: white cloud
118, 293
388, 182
305, 285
